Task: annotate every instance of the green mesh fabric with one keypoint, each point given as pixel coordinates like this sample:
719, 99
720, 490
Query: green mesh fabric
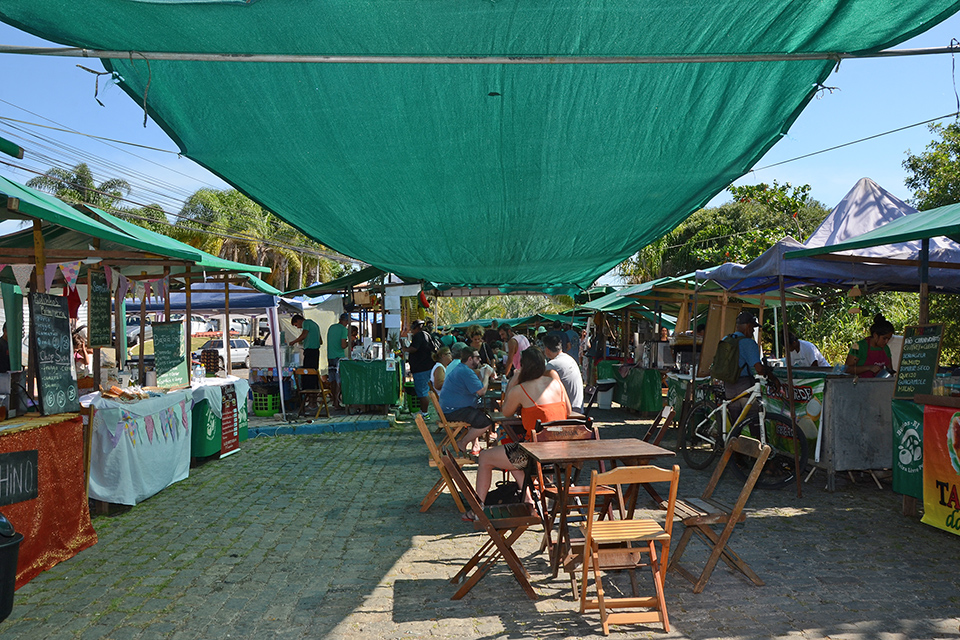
495, 175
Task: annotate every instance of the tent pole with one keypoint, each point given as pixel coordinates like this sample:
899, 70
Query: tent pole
227, 365
188, 309
924, 281
142, 368
790, 397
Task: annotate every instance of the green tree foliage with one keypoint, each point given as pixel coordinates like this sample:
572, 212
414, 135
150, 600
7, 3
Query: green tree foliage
456, 310
77, 186
934, 175
737, 231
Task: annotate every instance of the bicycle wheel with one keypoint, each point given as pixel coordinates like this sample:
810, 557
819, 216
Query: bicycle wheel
779, 470
702, 439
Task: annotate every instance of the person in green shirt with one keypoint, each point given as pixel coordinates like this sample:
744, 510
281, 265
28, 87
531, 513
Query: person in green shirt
337, 342
310, 337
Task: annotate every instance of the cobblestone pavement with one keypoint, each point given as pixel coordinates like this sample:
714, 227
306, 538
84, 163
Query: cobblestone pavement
319, 536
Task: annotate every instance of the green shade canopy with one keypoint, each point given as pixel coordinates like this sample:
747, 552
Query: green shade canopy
339, 284
502, 175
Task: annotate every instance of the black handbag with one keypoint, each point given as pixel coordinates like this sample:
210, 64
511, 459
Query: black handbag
506, 492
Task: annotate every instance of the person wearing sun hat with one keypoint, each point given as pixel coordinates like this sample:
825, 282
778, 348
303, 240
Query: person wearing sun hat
750, 363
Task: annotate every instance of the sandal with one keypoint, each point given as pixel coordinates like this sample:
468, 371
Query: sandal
469, 516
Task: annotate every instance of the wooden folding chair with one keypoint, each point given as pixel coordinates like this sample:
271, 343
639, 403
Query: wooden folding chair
319, 395
609, 544
659, 427
434, 460
504, 524
698, 515
451, 429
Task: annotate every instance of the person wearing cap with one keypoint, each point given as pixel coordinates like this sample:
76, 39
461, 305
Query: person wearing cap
338, 339
421, 350
805, 354
310, 337
460, 396
750, 364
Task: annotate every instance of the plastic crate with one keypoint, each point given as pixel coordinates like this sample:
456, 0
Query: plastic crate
265, 406
410, 395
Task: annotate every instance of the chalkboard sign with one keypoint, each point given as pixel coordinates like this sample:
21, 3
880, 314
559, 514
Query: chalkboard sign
53, 353
18, 476
98, 311
918, 360
171, 360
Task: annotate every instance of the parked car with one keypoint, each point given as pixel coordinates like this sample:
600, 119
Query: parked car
239, 352
239, 326
133, 330
198, 324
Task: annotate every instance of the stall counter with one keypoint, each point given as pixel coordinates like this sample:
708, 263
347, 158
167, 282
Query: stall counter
370, 382
139, 448
49, 507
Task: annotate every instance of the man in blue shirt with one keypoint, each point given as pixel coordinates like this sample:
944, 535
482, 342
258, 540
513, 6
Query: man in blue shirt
460, 396
750, 364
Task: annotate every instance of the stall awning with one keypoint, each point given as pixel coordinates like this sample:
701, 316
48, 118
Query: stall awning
339, 284
493, 173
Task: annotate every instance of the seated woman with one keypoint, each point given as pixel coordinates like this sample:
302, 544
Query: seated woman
442, 357
538, 394
871, 355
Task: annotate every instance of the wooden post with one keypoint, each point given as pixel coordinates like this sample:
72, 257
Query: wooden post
119, 329
166, 298
226, 329
39, 253
96, 351
142, 368
790, 398
188, 310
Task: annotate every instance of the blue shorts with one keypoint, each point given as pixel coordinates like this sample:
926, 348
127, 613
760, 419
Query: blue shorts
421, 384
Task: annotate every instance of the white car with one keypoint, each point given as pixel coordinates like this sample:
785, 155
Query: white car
198, 324
239, 352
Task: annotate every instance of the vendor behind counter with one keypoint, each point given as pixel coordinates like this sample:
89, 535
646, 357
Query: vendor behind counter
870, 356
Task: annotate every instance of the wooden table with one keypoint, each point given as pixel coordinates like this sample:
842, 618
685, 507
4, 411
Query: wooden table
564, 454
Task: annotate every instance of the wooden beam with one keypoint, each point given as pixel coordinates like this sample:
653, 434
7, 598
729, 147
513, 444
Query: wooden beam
39, 256
836, 257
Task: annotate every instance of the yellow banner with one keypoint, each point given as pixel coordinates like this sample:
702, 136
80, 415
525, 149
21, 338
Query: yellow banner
941, 468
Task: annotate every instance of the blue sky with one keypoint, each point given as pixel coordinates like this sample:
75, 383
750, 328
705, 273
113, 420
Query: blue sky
873, 96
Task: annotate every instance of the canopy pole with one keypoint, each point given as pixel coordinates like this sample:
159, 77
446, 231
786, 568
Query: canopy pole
142, 368
836, 56
924, 281
226, 332
188, 309
790, 397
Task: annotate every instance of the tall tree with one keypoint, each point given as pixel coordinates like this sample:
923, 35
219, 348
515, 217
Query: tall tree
934, 174
78, 186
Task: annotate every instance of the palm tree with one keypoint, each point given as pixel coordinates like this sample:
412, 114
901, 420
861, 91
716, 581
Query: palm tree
78, 186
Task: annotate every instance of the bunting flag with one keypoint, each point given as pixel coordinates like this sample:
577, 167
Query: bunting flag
146, 290
49, 273
108, 273
183, 411
70, 271
22, 273
122, 286
2, 266
148, 421
138, 289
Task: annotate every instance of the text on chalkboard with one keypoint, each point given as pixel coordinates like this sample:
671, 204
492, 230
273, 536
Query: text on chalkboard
18, 476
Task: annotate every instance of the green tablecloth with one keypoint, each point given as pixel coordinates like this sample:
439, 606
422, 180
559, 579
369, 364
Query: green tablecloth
206, 435
642, 390
677, 390
364, 382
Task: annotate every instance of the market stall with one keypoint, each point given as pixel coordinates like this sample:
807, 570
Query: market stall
42, 490
219, 415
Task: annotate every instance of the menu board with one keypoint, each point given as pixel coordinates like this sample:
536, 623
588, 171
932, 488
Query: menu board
171, 361
53, 350
229, 421
918, 360
98, 310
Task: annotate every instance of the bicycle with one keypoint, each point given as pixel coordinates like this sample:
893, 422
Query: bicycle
707, 428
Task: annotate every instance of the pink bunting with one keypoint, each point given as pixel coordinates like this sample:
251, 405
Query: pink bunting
108, 273
148, 421
122, 286
146, 290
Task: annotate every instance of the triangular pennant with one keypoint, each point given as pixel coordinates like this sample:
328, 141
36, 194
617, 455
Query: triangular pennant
138, 289
108, 273
49, 273
146, 290
122, 286
70, 271
22, 273
148, 421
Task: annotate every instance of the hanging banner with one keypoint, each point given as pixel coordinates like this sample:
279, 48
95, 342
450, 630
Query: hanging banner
229, 421
908, 448
807, 402
941, 468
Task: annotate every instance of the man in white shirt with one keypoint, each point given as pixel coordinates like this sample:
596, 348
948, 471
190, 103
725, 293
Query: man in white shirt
567, 368
805, 354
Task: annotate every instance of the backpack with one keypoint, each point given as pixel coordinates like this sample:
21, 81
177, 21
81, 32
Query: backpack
726, 362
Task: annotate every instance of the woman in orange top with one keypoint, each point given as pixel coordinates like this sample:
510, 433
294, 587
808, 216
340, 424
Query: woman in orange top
539, 395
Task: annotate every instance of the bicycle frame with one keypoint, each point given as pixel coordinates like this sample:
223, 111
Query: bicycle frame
752, 394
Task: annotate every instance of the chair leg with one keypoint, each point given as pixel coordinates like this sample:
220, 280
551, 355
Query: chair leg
658, 585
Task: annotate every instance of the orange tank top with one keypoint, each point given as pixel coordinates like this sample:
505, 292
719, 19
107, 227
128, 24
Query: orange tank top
542, 412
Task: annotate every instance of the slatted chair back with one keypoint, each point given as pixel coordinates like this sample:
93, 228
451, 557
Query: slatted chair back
698, 515
623, 544
319, 394
435, 459
451, 429
503, 525
659, 427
